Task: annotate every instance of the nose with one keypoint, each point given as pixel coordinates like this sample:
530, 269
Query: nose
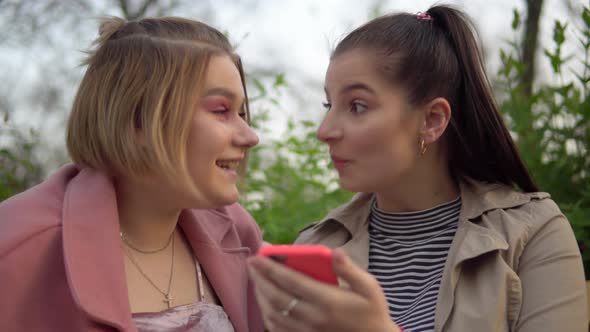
245, 136
329, 129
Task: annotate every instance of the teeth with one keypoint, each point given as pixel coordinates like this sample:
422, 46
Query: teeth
228, 164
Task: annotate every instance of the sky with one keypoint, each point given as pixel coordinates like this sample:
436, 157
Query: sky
298, 36
294, 37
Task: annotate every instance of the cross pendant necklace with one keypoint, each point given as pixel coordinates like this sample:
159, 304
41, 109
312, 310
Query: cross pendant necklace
168, 299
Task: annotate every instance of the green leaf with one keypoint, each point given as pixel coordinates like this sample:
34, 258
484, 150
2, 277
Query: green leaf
585, 43
280, 80
559, 33
308, 124
260, 87
586, 17
564, 90
554, 59
515, 19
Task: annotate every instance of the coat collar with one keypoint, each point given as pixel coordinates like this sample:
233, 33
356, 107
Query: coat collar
94, 257
477, 198
480, 197
92, 250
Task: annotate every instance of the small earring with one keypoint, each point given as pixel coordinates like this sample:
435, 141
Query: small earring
423, 147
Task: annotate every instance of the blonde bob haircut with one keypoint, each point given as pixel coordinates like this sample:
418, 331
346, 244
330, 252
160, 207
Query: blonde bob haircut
132, 112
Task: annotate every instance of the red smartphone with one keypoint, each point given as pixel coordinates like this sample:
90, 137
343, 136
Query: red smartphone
312, 260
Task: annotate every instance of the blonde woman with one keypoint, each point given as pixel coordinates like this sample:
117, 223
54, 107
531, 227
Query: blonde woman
142, 232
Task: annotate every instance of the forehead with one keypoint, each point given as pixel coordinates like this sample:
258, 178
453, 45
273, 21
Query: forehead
222, 72
352, 67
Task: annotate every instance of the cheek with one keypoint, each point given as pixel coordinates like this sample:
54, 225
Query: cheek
206, 144
392, 146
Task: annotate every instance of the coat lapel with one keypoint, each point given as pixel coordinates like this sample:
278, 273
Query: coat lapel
471, 241
215, 243
92, 250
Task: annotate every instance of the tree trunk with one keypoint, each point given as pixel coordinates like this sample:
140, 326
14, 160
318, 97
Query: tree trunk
529, 44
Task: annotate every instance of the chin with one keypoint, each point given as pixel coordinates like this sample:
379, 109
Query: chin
349, 185
356, 185
213, 200
226, 198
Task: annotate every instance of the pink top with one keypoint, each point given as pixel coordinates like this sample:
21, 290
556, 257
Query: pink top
194, 317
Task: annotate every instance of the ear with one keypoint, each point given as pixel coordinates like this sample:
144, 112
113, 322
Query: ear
436, 119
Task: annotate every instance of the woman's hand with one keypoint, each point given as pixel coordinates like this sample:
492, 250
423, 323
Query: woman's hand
291, 301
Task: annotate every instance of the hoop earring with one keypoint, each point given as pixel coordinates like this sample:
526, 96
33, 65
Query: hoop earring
423, 147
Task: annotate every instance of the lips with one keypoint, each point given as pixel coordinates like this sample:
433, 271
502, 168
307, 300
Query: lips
339, 162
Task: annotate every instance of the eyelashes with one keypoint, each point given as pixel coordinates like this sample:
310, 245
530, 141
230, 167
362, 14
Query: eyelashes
226, 112
222, 108
356, 106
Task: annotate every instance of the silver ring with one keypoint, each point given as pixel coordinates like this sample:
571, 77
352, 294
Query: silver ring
285, 312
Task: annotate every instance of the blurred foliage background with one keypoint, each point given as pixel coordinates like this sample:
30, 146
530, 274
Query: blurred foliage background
289, 182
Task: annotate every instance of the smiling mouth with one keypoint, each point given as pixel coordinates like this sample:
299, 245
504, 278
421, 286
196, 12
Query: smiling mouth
228, 165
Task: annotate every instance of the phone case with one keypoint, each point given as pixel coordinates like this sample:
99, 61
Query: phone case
312, 260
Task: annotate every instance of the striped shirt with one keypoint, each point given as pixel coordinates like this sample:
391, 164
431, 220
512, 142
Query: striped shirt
407, 256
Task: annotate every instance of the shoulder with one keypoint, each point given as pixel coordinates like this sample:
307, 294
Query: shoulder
33, 212
544, 218
499, 201
521, 210
516, 217
534, 218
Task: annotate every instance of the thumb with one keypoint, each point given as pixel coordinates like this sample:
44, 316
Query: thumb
360, 281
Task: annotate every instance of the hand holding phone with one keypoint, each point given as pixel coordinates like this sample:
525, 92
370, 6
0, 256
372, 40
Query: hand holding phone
312, 260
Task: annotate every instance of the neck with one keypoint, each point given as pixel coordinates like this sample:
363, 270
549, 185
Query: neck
429, 185
145, 219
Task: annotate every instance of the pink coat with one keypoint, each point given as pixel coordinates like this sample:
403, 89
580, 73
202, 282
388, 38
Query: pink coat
61, 263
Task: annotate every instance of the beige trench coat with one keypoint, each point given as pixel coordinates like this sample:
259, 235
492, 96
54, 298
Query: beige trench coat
514, 264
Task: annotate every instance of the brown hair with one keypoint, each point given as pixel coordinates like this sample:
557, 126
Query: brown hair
437, 55
132, 111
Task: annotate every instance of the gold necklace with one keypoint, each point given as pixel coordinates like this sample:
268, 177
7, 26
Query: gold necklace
130, 245
167, 297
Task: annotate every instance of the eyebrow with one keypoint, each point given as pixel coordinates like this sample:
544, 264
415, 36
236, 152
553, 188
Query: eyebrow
352, 87
223, 92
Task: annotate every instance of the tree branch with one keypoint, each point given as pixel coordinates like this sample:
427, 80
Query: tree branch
124, 8
143, 9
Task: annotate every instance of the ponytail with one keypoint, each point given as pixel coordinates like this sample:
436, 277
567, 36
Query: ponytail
480, 144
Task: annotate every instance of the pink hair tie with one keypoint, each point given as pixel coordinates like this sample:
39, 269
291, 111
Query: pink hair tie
423, 16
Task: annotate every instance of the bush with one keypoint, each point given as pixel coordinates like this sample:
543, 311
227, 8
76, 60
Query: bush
552, 127
19, 168
289, 183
